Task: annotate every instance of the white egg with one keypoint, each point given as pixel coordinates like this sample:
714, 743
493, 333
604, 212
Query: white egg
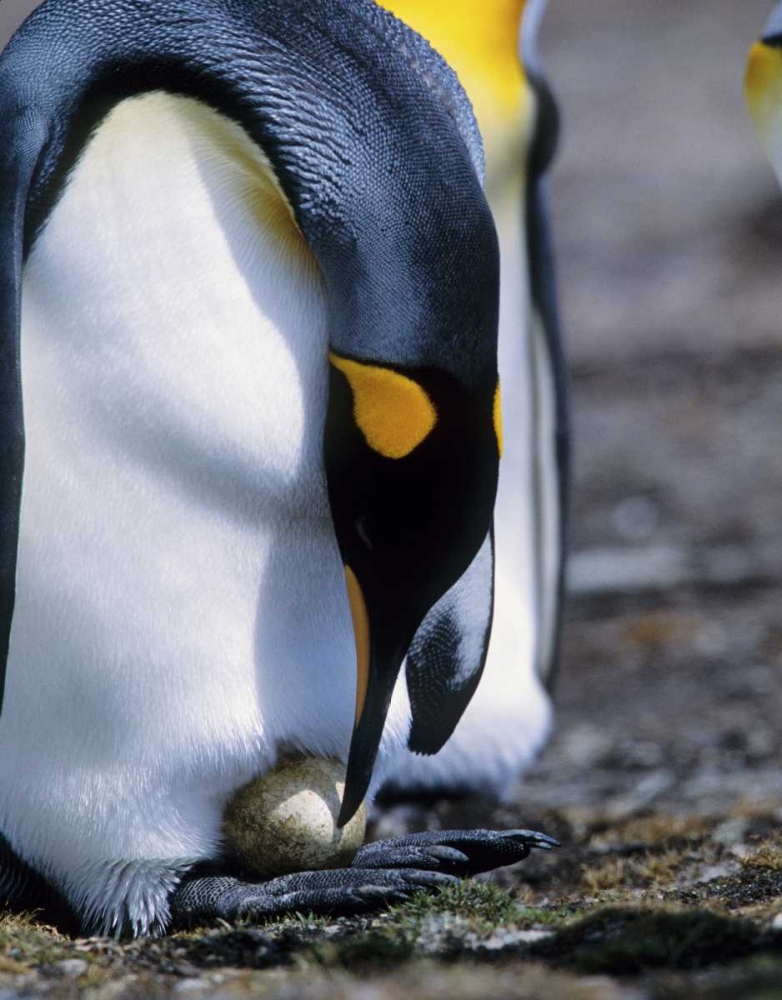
286, 821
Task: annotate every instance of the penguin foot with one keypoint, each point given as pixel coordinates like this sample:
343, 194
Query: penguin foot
454, 852
381, 874
341, 892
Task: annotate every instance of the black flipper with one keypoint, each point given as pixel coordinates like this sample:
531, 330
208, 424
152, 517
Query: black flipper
448, 654
22, 136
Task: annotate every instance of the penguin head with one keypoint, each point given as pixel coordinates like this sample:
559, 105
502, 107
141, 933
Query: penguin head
412, 459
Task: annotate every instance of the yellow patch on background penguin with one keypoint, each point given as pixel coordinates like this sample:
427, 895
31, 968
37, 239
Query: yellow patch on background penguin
498, 417
393, 412
763, 85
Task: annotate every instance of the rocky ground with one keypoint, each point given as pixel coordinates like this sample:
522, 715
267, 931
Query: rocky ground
663, 778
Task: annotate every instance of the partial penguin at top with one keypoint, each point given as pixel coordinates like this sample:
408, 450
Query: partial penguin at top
763, 88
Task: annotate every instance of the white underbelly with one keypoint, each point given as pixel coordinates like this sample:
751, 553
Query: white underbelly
180, 606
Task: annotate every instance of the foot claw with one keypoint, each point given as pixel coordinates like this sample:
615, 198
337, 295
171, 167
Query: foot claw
449, 854
540, 841
427, 879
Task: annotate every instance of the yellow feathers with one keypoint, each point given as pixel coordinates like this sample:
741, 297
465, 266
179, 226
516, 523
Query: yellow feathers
763, 86
498, 417
392, 411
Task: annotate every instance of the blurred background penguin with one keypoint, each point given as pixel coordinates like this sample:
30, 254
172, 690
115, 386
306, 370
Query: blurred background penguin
493, 48
763, 88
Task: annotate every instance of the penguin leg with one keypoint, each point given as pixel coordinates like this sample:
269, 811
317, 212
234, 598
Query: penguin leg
382, 873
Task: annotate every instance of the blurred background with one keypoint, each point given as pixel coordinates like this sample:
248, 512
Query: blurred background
668, 226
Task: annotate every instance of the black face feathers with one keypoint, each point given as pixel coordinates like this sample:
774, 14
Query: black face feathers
412, 495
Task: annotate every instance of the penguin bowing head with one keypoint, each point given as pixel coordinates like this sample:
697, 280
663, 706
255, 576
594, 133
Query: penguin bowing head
248, 325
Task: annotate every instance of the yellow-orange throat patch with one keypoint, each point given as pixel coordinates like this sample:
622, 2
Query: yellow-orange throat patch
358, 611
498, 417
393, 412
763, 84
480, 40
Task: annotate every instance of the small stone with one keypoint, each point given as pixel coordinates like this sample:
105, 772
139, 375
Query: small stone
191, 985
776, 923
71, 967
530, 937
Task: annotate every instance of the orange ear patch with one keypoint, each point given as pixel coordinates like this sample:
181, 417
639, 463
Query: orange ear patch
498, 417
393, 412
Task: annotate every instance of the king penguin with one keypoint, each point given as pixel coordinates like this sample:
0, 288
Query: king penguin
251, 429
493, 47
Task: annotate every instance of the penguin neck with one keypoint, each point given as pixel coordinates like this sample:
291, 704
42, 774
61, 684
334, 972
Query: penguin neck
375, 146
481, 42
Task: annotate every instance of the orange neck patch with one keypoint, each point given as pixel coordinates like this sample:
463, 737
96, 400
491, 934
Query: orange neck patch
393, 412
498, 417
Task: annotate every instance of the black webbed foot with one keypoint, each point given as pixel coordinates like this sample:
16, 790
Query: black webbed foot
341, 891
456, 852
381, 874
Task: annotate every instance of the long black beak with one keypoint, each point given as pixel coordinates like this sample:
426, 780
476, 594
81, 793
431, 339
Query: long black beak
367, 734
379, 656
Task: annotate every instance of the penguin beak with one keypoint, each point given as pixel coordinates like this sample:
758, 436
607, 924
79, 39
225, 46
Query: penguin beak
380, 650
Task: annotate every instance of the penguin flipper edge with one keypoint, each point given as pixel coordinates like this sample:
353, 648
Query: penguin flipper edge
22, 136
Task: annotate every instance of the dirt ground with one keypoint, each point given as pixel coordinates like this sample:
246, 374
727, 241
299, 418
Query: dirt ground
663, 778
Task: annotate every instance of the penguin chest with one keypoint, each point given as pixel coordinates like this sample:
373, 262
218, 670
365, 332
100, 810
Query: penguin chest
180, 599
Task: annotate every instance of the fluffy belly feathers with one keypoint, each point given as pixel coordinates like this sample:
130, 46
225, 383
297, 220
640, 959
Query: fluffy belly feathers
180, 611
